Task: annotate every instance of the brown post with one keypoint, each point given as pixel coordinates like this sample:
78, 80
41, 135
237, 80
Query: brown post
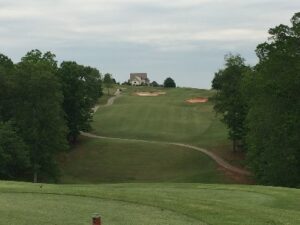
96, 219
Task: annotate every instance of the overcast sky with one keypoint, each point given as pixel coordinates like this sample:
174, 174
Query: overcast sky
184, 39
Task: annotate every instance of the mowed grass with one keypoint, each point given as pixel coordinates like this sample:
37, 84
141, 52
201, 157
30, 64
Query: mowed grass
167, 118
148, 204
163, 118
107, 161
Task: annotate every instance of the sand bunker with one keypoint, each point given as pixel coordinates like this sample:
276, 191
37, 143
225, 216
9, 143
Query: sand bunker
151, 94
197, 100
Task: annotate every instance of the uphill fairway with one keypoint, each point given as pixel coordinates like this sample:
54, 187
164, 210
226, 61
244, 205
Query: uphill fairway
167, 118
163, 118
104, 160
148, 204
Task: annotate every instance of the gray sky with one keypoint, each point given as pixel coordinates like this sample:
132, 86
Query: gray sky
184, 39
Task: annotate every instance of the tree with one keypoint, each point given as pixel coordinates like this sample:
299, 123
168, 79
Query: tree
126, 83
273, 120
6, 71
154, 84
41, 100
14, 153
108, 82
92, 85
169, 83
38, 111
81, 89
229, 101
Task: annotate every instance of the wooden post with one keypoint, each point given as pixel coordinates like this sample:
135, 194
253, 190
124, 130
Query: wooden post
96, 219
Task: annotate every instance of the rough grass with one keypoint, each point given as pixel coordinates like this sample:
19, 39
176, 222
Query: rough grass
148, 204
95, 161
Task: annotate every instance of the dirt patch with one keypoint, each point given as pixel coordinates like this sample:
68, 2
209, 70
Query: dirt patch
237, 178
150, 94
197, 100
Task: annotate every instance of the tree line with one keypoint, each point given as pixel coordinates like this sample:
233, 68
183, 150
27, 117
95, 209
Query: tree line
168, 83
261, 106
43, 108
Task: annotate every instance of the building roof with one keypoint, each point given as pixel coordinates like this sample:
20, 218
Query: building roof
143, 76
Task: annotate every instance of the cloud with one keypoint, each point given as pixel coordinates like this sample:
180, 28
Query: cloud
148, 28
7, 14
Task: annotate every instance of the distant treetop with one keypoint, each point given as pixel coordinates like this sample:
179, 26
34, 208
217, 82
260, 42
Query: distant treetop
169, 83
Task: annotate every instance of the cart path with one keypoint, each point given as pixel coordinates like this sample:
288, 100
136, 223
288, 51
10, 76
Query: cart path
220, 161
110, 101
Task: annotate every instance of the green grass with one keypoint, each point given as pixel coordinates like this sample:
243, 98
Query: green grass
167, 118
95, 161
104, 98
148, 204
164, 118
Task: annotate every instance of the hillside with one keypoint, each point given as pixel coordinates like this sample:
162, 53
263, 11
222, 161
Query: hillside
167, 117
148, 204
160, 120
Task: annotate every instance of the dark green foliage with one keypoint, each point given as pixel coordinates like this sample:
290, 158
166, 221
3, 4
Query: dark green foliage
261, 106
126, 83
154, 84
14, 154
274, 117
92, 85
229, 101
6, 71
38, 112
6, 62
43, 101
169, 83
108, 82
81, 88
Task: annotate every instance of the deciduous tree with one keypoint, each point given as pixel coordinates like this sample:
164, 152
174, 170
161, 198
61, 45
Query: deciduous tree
154, 84
14, 153
38, 111
108, 82
81, 89
273, 138
229, 101
169, 83
6, 87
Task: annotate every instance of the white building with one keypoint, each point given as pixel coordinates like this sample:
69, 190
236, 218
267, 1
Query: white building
137, 79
